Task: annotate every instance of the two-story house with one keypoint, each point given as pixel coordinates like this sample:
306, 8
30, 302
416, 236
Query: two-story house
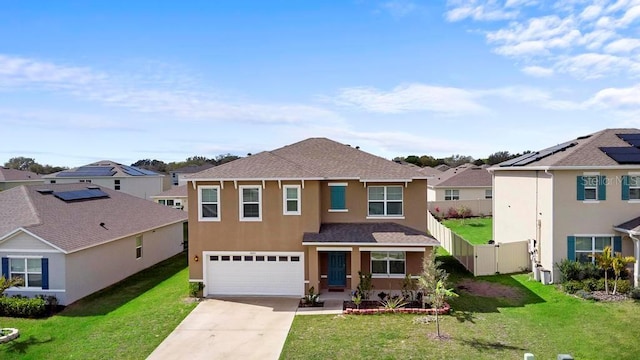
467, 185
310, 214
573, 199
112, 175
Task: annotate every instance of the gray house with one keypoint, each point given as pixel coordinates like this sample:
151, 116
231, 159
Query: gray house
70, 240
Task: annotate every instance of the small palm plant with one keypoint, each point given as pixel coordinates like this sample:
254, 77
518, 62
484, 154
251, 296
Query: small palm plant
393, 303
605, 262
7, 283
619, 263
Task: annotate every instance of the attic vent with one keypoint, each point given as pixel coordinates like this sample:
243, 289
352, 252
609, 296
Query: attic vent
45, 191
93, 187
583, 137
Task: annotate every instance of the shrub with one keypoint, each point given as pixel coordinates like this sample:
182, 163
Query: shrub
623, 286
572, 286
452, 213
635, 293
195, 288
20, 306
365, 286
574, 270
593, 284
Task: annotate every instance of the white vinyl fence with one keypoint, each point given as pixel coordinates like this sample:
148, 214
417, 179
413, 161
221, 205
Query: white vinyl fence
503, 258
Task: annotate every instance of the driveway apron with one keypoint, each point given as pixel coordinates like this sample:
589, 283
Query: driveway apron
231, 328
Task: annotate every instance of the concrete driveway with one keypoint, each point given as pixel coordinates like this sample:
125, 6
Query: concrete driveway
231, 328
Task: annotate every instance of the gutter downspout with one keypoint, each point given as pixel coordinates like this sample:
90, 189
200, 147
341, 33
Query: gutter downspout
636, 266
546, 171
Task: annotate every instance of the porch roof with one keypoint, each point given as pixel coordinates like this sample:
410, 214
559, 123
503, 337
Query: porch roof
369, 234
631, 227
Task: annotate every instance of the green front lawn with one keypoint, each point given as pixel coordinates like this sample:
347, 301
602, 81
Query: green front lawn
474, 230
125, 321
540, 320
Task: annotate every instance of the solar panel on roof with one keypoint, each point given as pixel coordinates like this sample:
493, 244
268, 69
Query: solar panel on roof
532, 157
134, 171
76, 195
632, 139
89, 171
623, 155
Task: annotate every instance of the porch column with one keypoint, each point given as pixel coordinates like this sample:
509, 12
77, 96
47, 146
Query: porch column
314, 269
355, 267
636, 266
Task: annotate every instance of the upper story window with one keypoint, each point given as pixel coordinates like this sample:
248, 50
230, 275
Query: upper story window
29, 270
450, 194
209, 203
385, 200
631, 187
85, 180
591, 187
250, 203
291, 199
116, 184
338, 192
488, 194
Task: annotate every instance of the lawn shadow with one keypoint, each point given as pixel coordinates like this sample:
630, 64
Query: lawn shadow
464, 316
20, 345
114, 296
477, 225
484, 345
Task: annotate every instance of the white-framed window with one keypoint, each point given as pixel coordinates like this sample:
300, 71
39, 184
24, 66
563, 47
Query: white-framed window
385, 200
451, 194
590, 187
85, 180
138, 246
488, 193
291, 199
634, 187
388, 263
116, 184
338, 197
209, 203
27, 269
588, 246
250, 202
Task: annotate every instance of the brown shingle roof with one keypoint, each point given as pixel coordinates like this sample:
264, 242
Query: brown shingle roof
369, 233
73, 226
193, 168
314, 158
175, 191
17, 175
429, 171
462, 176
585, 152
632, 225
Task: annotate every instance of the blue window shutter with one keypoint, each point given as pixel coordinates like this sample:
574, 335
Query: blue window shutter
571, 248
338, 197
625, 187
5, 267
580, 187
617, 244
602, 187
45, 273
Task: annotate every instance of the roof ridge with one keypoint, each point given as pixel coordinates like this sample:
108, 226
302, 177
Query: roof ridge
32, 206
301, 166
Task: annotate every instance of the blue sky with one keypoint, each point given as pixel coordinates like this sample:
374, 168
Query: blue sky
127, 80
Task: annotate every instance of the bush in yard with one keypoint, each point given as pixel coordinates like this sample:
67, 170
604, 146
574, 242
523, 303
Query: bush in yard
593, 284
20, 306
635, 293
571, 287
622, 286
452, 213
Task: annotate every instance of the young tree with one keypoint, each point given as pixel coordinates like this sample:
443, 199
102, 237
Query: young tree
605, 262
433, 281
440, 294
619, 263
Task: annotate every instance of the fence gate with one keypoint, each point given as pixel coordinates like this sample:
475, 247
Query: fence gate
485, 260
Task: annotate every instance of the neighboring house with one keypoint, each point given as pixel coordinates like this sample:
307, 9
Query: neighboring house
178, 175
467, 185
310, 214
128, 179
176, 197
573, 199
71, 240
429, 171
10, 178
442, 167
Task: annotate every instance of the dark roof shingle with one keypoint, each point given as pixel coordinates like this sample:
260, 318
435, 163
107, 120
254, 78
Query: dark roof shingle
369, 233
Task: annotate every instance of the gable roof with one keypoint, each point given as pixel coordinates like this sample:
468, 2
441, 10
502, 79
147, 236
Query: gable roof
75, 225
311, 159
429, 171
584, 151
7, 174
190, 169
466, 175
175, 191
103, 168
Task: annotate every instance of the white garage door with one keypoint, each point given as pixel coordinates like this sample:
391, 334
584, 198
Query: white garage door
255, 273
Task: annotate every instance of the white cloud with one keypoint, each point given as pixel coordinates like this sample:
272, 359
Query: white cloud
479, 11
537, 71
595, 65
410, 98
623, 46
399, 8
148, 95
591, 12
617, 98
534, 96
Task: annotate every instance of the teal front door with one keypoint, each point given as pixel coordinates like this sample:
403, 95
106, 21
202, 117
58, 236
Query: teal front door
337, 269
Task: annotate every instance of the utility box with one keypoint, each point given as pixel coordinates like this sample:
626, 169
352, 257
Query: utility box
545, 276
564, 357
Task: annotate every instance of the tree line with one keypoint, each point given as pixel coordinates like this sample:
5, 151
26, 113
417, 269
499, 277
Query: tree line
457, 159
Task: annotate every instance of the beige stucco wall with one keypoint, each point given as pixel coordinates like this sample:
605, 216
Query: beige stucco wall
182, 200
466, 193
142, 186
514, 201
98, 267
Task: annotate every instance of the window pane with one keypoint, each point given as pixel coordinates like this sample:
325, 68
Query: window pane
18, 276
584, 257
34, 265
251, 210
17, 265
590, 194
210, 195
378, 267
396, 267
394, 193
396, 255
292, 193
292, 205
161, 202
634, 194
602, 241
376, 208
34, 280
583, 243
250, 195
210, 210
634, 180
378, 255
376, 193
590, 181
169, 202
394, 208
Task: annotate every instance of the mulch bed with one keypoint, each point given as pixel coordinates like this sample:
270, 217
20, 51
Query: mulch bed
488, 289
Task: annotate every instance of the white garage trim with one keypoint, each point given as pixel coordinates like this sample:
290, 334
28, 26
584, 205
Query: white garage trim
271, 273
